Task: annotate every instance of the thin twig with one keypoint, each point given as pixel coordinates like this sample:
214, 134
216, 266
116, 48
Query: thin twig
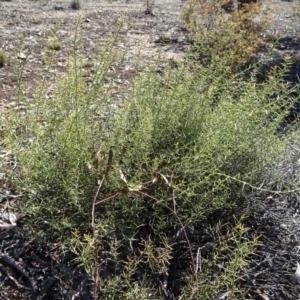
255, 187
110, 196
96, 269
174, 201
198, 263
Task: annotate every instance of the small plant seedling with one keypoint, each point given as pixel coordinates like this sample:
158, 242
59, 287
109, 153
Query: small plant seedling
54, 45
163, 39
3, 59
75, 4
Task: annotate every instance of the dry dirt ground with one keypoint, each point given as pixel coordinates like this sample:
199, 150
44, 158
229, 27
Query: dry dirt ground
31, 271
31, 24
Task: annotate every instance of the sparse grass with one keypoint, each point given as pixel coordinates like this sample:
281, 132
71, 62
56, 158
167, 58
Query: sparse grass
3, 59
114, 184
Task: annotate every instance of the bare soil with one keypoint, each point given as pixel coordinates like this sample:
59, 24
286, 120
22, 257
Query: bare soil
25, 30
29, 25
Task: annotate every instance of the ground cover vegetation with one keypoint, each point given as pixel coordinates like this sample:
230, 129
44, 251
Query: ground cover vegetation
120, 186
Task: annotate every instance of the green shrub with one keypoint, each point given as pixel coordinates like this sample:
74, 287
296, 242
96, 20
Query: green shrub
218, 36
184, 144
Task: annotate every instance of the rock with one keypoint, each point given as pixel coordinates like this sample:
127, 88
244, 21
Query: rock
58, 7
